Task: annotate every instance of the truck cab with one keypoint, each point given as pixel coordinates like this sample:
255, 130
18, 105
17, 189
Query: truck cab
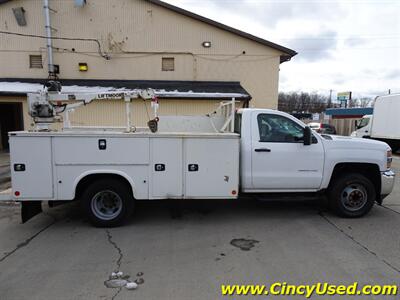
363, 127
273, 155
279, 154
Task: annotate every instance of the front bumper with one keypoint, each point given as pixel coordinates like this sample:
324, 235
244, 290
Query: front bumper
387, 182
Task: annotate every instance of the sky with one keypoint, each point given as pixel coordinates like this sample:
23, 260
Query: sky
348, 45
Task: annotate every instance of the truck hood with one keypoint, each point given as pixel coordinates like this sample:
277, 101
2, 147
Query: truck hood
354, 142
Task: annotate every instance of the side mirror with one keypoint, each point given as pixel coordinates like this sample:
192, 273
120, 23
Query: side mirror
307, 136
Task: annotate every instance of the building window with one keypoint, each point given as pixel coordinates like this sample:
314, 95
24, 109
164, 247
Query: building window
19, 14
35, 62
168, 64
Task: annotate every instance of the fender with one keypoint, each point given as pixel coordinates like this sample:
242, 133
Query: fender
103, 171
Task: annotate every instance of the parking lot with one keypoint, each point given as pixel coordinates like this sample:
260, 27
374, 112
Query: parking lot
187, 251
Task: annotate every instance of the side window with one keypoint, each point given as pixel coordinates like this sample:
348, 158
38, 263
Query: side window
278, 129
364, 122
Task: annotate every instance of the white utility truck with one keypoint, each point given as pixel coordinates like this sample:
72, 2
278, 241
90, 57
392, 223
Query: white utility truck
218, 156
383, 124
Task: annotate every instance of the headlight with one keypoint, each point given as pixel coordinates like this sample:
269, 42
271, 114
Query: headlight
389, 158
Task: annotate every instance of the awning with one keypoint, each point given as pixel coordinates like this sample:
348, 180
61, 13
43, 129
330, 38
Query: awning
349, 113
164, 89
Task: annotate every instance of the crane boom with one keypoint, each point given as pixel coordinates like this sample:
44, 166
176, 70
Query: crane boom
50, 105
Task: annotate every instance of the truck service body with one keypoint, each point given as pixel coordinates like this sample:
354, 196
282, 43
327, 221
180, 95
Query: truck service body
256, 151
156, 166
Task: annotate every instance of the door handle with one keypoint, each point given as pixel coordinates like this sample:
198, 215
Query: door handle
262, 150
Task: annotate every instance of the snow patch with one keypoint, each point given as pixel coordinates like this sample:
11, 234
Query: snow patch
23, 88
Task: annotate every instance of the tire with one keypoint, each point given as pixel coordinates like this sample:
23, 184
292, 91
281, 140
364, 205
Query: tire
108, 203
352, 195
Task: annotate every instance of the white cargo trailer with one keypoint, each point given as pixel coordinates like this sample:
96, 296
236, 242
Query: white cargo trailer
385, 124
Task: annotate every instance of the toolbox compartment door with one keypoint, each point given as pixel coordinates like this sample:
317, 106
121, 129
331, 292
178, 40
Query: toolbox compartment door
35, 180
166, 168
211, 167
101, 150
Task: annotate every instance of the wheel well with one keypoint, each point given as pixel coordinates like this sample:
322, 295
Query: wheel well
371, 171
87, 180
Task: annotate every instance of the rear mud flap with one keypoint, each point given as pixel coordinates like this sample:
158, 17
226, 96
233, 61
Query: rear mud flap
57, 203
30, 209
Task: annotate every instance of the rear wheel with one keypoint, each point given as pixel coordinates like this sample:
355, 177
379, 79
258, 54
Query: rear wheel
108, 203
352, 195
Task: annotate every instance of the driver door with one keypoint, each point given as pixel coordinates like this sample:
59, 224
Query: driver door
280, 160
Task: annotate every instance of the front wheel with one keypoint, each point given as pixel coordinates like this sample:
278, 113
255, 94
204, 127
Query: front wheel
352, 195
108, 203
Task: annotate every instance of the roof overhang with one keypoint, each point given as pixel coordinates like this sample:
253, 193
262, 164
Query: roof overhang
349, 113
164, 89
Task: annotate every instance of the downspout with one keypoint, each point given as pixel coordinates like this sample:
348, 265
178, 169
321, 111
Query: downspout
46, 11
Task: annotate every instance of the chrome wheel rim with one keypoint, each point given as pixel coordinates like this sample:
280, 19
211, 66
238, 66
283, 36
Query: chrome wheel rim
354, 197
106, 205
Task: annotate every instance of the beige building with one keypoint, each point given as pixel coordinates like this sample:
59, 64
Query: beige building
191, 61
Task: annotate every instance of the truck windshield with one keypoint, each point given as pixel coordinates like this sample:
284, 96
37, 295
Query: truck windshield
364, 122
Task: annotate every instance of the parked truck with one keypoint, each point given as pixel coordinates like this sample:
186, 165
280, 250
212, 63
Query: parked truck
223, 155
382, 125
363, 127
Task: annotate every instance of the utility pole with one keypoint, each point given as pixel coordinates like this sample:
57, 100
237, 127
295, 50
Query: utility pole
48, 28
349, 102
330, 99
